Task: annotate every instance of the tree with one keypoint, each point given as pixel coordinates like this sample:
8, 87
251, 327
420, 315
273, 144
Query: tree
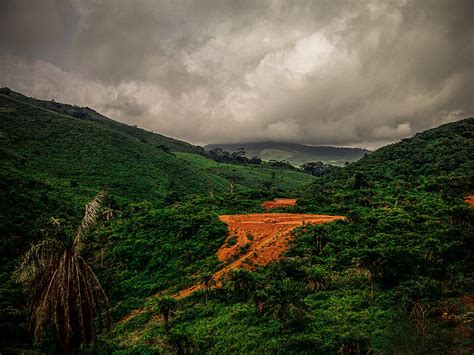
317, 278
239, 156
241, 282
166, 307
207, 282
315, 168
284, 298
63, 291
360, 181
371, 260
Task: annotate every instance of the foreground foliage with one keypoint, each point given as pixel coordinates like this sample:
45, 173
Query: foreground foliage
64, 294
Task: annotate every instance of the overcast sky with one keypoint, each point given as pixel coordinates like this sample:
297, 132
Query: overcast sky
357, 73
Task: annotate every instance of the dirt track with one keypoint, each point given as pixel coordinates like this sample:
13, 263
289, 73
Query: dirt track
256, 240
253, 240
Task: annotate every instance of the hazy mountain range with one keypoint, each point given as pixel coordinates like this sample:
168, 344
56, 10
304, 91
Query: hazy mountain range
295, 153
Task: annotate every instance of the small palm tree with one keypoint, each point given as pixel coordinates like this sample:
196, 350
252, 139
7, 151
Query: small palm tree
284, 299
316, 278
372, 261
207, 282
242, 282
64, 294
166, 307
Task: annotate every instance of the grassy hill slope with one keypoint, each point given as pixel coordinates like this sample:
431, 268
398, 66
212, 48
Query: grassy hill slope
88, 114
395, 277
56, 157
83, 156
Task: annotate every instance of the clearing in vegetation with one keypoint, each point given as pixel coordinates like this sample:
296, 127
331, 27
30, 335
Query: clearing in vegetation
256, 240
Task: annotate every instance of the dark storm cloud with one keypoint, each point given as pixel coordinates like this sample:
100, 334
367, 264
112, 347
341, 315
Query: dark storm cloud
319, 72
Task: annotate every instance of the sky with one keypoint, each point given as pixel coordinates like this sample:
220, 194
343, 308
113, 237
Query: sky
326, 72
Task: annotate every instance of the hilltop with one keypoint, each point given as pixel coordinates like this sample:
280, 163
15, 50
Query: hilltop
296, 154
89, 114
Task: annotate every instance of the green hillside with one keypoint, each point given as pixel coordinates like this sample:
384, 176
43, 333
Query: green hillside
86, 155
88, 114
296, 154
395, 277
56, 157
441, 152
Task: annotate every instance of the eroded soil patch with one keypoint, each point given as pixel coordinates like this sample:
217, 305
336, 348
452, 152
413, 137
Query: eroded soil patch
256, 240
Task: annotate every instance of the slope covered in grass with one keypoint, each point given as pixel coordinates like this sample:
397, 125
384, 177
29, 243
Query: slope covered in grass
395, 277
255, 177
88, 114
56, 157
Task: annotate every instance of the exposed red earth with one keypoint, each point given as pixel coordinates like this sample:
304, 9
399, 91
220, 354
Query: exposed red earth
279, 202
254, 240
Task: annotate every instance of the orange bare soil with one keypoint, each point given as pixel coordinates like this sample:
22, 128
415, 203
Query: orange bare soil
256, 240
280, 202
470, 200
253, 240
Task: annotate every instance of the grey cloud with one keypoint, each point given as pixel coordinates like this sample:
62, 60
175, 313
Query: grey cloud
318, 72
125, 107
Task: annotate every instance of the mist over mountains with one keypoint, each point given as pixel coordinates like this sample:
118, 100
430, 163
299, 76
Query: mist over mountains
296, 154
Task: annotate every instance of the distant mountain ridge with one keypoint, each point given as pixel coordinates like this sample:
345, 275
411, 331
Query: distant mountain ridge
296, 154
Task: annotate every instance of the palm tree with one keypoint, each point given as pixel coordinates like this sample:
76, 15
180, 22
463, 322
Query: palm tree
317, 278
166, 307
207, 282
241, 282
64, 294
372, 261
285, 298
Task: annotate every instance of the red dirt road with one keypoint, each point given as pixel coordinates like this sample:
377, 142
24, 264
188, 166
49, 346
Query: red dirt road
256, 240
253, 240
279, 202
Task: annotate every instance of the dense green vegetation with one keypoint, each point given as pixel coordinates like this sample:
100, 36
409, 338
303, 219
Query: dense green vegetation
53, 163
393, 278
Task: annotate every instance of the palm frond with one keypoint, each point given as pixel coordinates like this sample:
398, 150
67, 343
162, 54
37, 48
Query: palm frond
63, 291
90, 218
37, 259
